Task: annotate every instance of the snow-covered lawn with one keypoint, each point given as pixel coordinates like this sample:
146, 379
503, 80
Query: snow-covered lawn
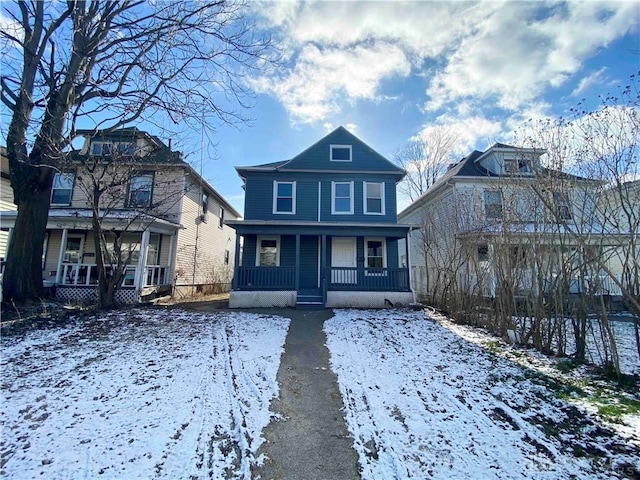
143, 394
424, 402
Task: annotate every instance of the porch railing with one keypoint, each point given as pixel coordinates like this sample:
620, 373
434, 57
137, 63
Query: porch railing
86, 274
265, 278
368, 279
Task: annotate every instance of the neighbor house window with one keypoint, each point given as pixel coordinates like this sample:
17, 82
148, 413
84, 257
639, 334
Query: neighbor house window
341, 198
126, 148
483, 252
205, 203
268, 252
226, 257
62, 189
493, 204
141, 190
221, 217
101, 148
340, 153
373, 198
284, 197
374, 249
563, 209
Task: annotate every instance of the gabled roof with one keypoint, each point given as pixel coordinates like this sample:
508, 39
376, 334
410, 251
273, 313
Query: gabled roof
316, 158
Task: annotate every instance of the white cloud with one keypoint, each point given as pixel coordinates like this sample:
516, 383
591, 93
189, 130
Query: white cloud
595, 78
322, 79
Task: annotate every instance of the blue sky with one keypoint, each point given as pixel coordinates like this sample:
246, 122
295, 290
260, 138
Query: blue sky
391, 71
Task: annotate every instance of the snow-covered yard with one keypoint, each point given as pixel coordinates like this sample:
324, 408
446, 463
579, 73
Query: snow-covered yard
144, 394
424, 402
180, 395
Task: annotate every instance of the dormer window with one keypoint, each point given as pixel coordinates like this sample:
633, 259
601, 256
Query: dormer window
340, 153
101, 148
514, 166
126, 148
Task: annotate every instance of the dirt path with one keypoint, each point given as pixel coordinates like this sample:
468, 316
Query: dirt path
311, 441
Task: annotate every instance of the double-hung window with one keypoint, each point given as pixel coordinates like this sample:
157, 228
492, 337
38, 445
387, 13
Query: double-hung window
268, 252
341, 198
62, 189
141, 189
101, 148
373, 198
375, 260
493, 204
563, 208
284, 197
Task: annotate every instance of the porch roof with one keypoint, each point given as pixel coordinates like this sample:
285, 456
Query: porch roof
81, 218
281, 227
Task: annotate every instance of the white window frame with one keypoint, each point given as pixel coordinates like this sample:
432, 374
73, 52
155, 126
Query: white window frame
259, 240
134, 177
332, 147
486, 204
333, 198
275, 198
365, 198
72, 177
366, 256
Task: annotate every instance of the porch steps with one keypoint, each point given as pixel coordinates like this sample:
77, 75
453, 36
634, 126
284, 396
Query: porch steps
309, 300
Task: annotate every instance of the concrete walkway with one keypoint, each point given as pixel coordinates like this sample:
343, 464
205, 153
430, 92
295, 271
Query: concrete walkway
313, 442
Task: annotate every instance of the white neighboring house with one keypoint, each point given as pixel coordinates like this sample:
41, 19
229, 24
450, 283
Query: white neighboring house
164, 209
497, 222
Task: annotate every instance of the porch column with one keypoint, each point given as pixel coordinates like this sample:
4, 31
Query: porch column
407, 243
236, 263
63, 245
323, 267
297, 262
142, 261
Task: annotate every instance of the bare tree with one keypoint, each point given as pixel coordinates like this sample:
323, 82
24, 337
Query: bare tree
104, 65
425, 159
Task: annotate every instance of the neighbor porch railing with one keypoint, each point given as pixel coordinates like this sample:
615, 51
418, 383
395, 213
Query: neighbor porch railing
86, 274
265, 278
368, 279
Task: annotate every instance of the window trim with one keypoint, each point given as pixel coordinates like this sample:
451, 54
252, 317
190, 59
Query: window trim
365, 197
141, 173
259, 240
53, 189
336, 146
275, 210
333, 198
367, 268
562, 206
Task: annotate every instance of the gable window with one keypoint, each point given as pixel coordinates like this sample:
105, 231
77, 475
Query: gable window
268, 252
101, 148
141, 190
563, 209
375, 258
493, 204
373, 198
221, 217
342, 198
340, 153
62, 189
284, 197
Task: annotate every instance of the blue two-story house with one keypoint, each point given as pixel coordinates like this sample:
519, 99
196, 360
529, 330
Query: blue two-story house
320, 230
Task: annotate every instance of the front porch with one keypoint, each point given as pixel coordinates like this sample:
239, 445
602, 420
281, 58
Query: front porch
343, 268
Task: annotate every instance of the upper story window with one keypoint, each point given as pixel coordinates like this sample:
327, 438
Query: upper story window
205, 203
221, 217
284, 197
341, 198
101, 148
493, 204
126, 148
516, 166
373, 198
62, 189
141, 190
340, 153
563, 208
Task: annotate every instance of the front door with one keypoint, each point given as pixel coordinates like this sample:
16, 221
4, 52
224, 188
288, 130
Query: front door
343, 254
309, 262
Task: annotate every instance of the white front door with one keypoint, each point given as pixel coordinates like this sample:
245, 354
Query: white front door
343, 254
